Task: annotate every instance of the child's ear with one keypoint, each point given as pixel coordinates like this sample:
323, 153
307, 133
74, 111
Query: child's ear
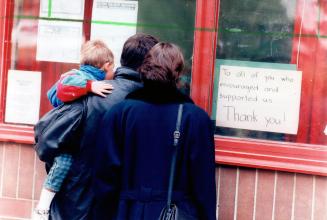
108, 66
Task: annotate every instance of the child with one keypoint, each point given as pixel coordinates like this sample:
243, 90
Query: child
96, 64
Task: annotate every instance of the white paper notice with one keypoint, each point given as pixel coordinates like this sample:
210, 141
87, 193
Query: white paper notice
259, 99
59, 41
67, 9
23, 97
325, 131
113, 21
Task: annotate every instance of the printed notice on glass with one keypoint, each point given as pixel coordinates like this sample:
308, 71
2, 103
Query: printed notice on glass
67, 9
259, 99
59, 41
23, 97
113, 21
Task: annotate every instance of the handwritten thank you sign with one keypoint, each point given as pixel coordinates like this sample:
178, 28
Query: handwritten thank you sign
259, 99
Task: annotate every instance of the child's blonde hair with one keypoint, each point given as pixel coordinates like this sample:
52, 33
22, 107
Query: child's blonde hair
96, 53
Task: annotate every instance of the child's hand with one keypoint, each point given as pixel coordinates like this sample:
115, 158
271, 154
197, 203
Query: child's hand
101, 88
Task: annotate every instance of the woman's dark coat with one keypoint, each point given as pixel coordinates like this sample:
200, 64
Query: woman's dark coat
134, 154
75, 199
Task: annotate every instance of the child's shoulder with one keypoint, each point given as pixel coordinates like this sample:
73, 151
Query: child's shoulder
72, 72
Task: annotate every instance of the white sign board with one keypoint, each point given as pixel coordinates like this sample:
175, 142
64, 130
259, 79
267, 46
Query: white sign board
59, 41
23, 97
113, 21
67, 9
259, 99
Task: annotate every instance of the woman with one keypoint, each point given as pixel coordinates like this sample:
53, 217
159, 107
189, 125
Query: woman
135, 148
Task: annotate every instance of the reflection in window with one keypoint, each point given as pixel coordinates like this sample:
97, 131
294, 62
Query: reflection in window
24, 35
253, 30
256, 30
171, 21
279, 32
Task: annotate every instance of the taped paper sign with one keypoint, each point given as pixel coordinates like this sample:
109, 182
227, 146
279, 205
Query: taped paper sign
113, 21
72, 9
23, 97
259, 99
60, 40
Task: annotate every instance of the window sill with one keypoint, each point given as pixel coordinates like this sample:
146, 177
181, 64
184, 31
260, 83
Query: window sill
17, 133
290, 157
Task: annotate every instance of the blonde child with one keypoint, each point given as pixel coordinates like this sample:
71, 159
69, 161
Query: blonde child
96, 64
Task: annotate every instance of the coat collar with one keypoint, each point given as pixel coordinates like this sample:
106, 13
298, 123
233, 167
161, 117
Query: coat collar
159, 94
97, 73
127, 73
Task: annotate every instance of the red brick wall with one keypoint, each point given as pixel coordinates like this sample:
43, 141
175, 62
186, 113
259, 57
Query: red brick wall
21, 175
248, 194
243, 194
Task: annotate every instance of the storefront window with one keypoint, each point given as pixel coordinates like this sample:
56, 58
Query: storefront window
270, 70
174, 23
46, 37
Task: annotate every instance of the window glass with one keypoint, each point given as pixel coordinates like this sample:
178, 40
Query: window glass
46, 35
174, 23
270, 70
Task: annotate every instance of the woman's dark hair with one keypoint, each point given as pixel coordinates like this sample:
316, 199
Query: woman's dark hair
162, 65
135, 49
